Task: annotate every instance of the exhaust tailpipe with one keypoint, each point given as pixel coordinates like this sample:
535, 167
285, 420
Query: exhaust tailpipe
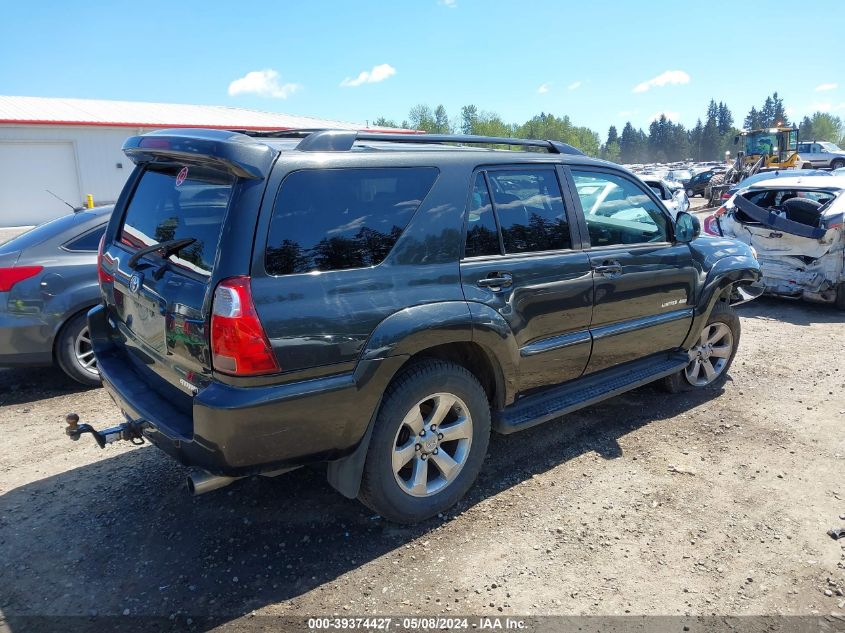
200, 482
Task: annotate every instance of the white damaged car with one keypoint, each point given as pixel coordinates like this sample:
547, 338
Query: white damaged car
796, 226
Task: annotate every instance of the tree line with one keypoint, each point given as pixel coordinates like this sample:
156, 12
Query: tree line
663, 141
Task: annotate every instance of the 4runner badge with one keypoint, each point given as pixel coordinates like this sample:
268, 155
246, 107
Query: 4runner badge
135, 283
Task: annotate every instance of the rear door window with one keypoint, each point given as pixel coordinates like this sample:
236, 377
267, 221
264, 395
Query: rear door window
482, 235
177, 201
337, 219
529, 207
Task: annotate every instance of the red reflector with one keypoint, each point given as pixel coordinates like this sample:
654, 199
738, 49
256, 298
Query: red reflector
239, 345
10, 276
102, 275
726, 196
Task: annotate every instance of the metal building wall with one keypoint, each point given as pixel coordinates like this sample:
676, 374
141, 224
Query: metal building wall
97, 151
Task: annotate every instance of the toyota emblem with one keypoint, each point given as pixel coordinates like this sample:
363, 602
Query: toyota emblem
135, 283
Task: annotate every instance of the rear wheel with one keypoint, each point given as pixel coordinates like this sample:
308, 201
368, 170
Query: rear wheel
711, 355
428, 443
74, 352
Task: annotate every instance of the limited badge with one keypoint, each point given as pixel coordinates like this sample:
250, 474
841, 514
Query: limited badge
180, 177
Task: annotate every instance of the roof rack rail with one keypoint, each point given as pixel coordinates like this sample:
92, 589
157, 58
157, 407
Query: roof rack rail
343, 140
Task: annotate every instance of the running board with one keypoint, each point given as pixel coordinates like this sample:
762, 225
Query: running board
583, 392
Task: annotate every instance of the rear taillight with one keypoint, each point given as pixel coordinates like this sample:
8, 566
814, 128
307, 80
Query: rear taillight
726, 196
102, 275
239, 345
711, 226
10, 276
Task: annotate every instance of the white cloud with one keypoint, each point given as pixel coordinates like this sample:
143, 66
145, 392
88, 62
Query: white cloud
827, 106
544, 88
574, 85
672, 116
264, 83
825, 87
451, 4
377, 74
670, 77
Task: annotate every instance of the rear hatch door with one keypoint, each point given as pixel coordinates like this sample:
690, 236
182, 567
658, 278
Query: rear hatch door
160, 298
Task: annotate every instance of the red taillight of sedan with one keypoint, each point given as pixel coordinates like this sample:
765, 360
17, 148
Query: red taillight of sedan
102, 275
16, 274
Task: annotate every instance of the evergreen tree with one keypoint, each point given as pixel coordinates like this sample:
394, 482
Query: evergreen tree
441, 120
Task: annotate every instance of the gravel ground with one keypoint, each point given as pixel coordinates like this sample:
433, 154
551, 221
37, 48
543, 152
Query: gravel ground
714, 503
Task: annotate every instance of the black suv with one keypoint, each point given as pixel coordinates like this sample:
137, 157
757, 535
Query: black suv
381, 302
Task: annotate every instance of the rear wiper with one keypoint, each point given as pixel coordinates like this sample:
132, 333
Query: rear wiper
167, 248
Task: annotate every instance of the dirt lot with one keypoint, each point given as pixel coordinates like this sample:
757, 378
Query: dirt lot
646, 504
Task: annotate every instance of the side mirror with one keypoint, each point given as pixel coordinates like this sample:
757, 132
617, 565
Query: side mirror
687, 227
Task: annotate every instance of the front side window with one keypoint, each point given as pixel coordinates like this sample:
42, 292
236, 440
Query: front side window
618, 211
529, 206
177, 201
336, 219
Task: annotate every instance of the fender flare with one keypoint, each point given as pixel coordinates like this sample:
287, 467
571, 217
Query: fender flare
413, 330
724, 275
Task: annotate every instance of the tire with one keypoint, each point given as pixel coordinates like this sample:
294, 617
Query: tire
715, 181
396, 489
690, 193
837, 164
724, 320
73, 347
840, 296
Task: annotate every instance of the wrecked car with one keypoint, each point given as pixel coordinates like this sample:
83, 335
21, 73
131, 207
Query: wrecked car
796, 226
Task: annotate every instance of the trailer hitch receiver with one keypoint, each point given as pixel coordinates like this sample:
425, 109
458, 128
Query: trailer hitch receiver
129, 431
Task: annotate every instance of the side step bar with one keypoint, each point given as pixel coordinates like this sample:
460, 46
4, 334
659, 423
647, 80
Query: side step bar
551, 404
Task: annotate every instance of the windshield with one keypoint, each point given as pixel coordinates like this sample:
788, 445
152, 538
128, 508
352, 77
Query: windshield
830, 147
680, 174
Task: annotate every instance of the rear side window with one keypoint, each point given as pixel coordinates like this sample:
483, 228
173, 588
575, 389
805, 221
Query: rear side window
529, 206
90, 241
176, 201
336, 219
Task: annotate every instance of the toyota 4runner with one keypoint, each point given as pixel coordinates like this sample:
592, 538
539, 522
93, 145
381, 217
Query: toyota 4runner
380, 302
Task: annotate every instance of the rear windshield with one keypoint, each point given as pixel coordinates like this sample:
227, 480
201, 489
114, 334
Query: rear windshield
335, 219
177, 201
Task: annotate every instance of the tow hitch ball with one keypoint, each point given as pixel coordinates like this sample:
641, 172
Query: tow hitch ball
130, 431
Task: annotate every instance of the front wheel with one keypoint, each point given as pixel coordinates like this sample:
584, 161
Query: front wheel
690, 193
711, 355
837, 164
428, 443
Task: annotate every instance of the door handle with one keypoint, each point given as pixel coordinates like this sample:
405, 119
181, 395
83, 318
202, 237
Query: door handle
608, 269
496, 280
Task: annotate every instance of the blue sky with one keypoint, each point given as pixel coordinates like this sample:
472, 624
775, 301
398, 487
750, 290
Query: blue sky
517, 58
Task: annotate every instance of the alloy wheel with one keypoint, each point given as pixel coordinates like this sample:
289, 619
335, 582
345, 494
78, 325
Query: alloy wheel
432, 444
710, 356
84, 352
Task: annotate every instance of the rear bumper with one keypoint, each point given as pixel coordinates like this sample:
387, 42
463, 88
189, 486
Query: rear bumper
25, 340
228, 430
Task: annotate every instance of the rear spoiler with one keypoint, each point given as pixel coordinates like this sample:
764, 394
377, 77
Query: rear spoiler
775, 221
239, 154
